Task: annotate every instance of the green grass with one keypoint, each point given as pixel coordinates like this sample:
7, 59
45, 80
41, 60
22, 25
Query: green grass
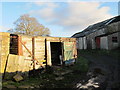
48, 79
81, 64
113, 53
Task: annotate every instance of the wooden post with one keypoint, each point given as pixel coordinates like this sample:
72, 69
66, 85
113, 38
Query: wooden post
46, 52
33, 52
63, 57
62, 47
20, 52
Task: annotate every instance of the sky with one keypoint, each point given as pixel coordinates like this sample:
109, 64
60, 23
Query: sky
62, 18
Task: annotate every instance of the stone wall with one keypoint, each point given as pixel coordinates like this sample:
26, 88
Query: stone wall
111, 44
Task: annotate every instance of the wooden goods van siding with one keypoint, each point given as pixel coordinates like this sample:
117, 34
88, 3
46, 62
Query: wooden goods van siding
4, 49
43, 49
20, 53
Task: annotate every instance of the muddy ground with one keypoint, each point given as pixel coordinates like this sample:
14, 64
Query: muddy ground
105, 66
93, 70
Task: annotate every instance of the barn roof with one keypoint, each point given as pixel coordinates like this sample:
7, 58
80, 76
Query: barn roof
97, 26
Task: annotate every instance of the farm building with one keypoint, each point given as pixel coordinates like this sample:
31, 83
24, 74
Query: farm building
103, 35
20, 53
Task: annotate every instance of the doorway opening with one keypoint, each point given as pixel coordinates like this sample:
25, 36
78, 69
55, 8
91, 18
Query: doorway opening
13, 44
56, 53
97, 42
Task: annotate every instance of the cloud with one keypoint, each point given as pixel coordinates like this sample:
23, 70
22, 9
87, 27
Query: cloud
58, 0
72, 16
47, 12
83, 14
46, 4
3, 29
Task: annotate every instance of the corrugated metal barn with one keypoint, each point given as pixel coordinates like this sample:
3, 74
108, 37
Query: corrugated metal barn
102, 35
27, 53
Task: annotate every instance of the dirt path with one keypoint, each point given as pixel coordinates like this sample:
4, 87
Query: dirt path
107, 63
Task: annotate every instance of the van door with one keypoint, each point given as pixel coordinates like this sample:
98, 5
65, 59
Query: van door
68, 50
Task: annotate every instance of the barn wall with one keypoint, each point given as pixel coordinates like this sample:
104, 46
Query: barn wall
114, 27
108, 29
111, 44
89, 40
118, 39
84, 43
80, 44
91, 43
77, 43
104, 43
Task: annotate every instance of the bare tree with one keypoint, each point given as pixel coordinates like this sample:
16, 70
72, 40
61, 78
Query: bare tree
29, 26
